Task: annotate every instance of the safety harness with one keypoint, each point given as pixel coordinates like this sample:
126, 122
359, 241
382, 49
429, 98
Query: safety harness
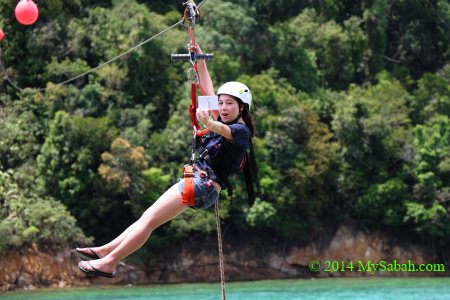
190, 17
248, 164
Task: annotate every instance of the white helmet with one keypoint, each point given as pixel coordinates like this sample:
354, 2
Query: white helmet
238, 90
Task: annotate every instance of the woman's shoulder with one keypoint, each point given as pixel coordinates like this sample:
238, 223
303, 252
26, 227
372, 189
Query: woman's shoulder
241, 134
240, 127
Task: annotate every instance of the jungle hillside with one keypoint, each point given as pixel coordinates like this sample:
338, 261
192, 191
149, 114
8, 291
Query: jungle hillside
351, 101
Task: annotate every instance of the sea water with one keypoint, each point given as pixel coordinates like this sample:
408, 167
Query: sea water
336, 288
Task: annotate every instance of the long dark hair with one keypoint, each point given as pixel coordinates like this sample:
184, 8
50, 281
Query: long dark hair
248, 118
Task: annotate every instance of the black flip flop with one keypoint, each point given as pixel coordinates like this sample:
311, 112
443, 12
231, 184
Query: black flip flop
95, 272
86, 256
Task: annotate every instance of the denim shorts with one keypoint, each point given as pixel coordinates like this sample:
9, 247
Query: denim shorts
205, 194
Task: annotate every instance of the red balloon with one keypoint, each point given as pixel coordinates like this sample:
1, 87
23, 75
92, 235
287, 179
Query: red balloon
2, 34
26, 12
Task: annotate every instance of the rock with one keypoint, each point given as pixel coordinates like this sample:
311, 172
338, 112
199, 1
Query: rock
197, 260
350, 247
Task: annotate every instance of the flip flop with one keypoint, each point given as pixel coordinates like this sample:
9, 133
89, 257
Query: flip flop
94, 271
86, 256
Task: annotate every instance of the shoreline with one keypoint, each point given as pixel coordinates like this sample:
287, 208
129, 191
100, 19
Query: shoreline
196, 261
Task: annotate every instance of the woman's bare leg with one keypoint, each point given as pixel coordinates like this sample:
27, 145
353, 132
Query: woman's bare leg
104, 250
167, 207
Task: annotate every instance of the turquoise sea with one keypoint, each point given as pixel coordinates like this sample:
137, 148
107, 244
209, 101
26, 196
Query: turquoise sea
302, 289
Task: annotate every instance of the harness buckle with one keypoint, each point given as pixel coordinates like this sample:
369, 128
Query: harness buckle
188, 171
204, 153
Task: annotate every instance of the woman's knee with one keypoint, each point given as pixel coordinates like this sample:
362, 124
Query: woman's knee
149, 220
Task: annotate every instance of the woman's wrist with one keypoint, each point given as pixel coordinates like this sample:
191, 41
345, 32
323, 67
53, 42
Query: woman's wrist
211, 124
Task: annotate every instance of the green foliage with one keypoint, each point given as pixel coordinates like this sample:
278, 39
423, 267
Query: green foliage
336, 52
299, 64
432, 96
373, 126
58, 71
26, 217
261, 214
376, 18
121, 167
155, 183
351, 102
433, 220
124, 170
193, 220
431, 171
408, 37
70, 156
303, 148
384, 202
296, 158
234, 31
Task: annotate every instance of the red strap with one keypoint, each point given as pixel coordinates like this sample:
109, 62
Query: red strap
193, 107
192, 111
188, 196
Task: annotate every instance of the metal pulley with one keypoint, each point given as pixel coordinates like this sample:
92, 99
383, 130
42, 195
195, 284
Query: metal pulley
191, 12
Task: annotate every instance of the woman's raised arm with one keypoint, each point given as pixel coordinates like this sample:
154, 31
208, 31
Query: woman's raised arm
205, 79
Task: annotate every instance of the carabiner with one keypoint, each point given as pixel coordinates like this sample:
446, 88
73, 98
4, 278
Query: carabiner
192, 76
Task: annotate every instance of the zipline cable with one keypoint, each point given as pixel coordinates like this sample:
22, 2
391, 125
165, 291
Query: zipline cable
3, 69
97, 67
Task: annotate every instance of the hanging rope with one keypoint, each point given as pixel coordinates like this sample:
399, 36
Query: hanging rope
219, 241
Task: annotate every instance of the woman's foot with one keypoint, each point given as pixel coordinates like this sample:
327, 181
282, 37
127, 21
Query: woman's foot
94, 267
90, 253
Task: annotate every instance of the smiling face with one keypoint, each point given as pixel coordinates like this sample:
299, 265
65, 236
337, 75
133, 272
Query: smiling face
228, 108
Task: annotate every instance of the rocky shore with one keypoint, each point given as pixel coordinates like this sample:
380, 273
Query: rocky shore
198, 262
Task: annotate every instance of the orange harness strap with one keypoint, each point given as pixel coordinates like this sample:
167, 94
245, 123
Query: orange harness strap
188, 196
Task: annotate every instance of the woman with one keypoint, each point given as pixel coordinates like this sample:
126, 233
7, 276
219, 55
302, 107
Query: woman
227, 144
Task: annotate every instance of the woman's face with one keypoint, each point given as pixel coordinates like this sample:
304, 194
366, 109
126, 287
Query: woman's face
228, 108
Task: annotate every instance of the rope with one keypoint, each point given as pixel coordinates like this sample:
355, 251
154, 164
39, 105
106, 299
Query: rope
3, 70
219, 240
117, 57
97, 67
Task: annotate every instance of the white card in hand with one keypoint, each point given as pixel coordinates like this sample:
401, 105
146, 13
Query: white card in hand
208, 102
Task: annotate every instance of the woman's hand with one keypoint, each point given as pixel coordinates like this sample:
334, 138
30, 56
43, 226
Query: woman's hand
196, 48
203, 117
205, 79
